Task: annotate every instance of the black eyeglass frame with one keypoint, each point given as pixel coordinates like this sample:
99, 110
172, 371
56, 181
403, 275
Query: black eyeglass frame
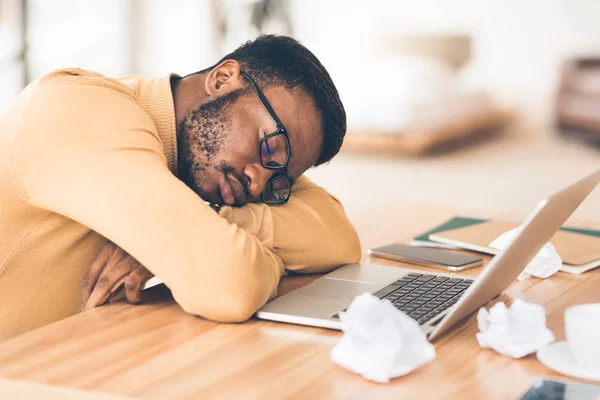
280, 131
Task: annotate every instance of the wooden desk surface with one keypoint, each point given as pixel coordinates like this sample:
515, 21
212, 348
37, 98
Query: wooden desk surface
156, 350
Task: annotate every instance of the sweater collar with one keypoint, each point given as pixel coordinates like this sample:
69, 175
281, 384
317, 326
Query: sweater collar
156, 98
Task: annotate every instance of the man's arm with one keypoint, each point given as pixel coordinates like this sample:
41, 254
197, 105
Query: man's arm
310, 233
289, 229
80, 155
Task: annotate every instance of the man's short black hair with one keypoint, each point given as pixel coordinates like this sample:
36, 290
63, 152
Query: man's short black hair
273, 60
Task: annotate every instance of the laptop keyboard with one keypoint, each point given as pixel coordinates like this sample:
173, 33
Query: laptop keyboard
423, 296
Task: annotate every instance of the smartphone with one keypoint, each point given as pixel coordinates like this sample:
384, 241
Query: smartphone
550, 389
427, 257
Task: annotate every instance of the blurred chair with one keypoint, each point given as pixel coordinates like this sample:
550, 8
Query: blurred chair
577, 111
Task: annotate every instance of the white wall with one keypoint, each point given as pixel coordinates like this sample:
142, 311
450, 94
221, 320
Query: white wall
11, 70
120, 37
89, 34
113, 37
174, 36
517, 47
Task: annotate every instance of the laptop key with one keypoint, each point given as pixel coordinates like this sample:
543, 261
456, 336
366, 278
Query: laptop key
381, 293
402, 282
446, 305
455, 280
429, 316
425, 278
445, 286
445, 290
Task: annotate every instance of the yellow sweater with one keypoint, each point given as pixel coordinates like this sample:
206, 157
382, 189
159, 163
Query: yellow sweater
85, 158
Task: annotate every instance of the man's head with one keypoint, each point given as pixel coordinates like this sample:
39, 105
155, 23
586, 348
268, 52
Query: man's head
224, 124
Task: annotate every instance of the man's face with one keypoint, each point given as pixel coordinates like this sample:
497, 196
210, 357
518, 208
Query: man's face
221, 159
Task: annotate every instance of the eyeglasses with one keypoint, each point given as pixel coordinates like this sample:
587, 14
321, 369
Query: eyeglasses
274, 154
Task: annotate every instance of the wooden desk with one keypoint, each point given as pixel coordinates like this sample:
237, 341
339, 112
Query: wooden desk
157, 351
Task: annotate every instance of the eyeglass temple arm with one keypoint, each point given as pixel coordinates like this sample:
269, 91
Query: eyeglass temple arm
264, 102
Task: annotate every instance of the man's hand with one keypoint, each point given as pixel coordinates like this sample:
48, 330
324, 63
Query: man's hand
113, 267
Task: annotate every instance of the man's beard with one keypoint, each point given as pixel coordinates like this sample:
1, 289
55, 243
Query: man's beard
201, 136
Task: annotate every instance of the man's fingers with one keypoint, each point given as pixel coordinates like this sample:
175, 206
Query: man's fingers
109, 279
92, 275
117, 294
134, 283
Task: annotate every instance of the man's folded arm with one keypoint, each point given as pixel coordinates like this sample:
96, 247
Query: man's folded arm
80, 155
310, 233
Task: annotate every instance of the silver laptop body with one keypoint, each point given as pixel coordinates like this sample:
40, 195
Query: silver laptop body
437, 301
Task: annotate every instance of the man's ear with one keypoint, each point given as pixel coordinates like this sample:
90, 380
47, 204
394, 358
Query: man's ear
223, 79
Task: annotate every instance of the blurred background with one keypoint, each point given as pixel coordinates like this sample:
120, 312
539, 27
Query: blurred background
474, 104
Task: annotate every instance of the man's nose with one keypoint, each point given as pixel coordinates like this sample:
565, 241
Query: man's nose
258, 176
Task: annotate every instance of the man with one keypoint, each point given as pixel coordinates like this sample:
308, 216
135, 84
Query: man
118, 171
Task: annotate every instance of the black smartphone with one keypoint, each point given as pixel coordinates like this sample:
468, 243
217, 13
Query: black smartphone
427, 256
550, 389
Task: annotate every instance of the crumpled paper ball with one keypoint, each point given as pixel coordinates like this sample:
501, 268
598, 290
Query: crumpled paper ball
380, 342
545, 264
515, 331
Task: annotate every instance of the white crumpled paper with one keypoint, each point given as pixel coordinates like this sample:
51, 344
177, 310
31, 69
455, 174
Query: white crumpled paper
380, 342
515, 331
546, 263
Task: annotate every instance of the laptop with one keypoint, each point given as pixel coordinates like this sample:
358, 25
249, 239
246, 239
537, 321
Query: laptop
436, 301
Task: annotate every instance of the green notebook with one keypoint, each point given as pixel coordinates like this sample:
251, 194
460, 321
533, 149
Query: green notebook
461, 222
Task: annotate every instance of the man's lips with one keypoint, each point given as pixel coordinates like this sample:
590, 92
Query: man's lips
227, 192
232, 191
237, 189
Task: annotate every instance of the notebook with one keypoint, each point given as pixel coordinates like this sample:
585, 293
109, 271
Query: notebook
578, 248
452, 223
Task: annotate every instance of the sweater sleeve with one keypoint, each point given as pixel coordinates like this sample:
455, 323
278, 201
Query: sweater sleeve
93, 155
310, 233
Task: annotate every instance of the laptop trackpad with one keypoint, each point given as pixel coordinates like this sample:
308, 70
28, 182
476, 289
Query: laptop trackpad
336, 289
